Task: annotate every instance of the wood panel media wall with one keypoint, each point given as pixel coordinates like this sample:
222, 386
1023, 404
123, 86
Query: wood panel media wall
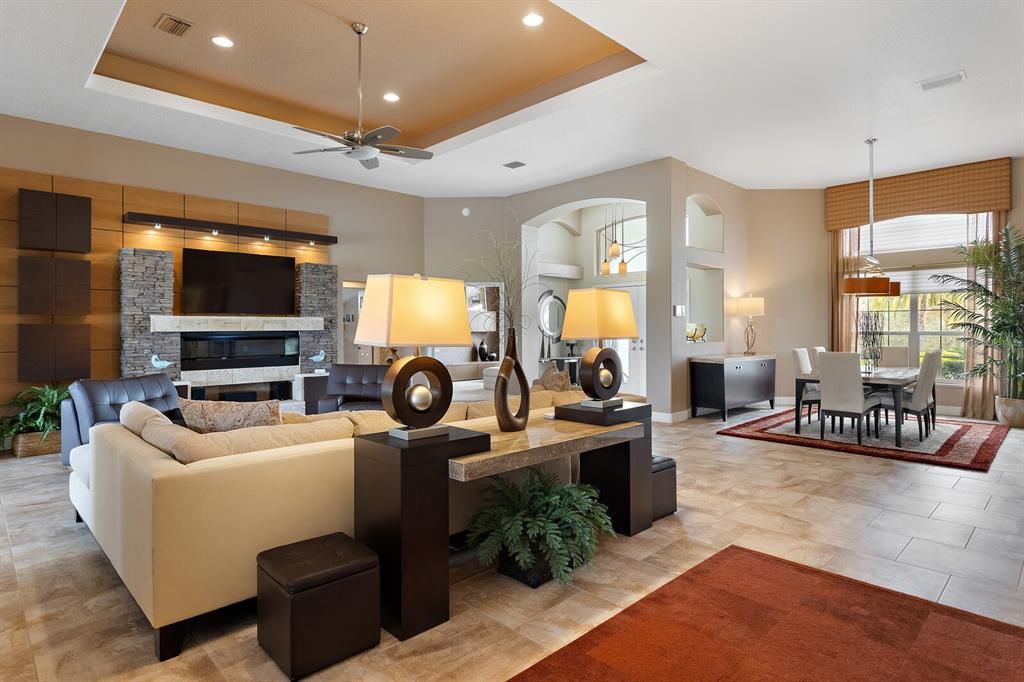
107, 235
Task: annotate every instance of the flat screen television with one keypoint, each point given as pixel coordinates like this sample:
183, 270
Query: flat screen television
219, 283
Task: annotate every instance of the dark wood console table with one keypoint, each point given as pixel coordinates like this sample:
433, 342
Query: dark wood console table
401, 496
722, 382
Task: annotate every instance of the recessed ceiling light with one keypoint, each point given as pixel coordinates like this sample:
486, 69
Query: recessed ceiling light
533, 19
943, 80
157, 226
391, 97
222, 41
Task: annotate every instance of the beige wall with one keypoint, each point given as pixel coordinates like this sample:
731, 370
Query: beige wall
378, 231
788, 265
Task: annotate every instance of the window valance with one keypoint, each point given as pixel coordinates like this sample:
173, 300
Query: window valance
968, 188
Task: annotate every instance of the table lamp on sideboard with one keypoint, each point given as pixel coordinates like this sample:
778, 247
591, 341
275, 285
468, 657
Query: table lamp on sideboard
410, 310
600, 314
749, 307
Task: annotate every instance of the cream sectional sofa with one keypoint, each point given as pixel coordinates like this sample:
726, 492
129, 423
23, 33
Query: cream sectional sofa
184, 537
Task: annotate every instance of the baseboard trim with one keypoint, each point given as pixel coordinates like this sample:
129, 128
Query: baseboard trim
670, 417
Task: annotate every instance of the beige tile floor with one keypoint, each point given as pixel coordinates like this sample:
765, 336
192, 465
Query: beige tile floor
942, 534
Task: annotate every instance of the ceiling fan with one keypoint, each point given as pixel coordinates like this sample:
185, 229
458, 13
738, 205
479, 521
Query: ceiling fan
365, 146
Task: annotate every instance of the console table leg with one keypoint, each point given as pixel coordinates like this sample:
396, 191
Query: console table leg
622, 475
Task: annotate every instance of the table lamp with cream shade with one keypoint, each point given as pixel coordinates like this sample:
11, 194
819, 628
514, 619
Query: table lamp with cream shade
748, 307
410, 310
600, 314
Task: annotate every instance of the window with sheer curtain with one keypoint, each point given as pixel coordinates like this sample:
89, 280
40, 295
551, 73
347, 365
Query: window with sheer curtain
916, 320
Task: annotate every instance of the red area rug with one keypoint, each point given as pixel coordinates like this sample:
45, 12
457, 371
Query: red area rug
960, 443
743, 615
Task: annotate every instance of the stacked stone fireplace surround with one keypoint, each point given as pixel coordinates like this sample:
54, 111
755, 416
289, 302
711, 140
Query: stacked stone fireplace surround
147, 290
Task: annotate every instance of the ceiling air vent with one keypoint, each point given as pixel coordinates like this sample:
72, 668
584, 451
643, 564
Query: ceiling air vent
172, 25
943, 80
514, 164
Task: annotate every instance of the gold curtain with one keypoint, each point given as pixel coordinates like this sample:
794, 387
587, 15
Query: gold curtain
980, 392
845, 262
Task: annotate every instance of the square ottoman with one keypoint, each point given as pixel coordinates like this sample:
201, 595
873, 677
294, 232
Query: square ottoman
663, 484
318, 602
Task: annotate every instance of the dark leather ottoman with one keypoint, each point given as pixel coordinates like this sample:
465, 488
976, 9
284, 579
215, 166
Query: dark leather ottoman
663, 483
318, 602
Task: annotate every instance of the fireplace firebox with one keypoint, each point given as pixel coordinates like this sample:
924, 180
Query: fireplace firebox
234, 350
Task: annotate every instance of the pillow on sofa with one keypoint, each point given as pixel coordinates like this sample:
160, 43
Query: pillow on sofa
135, 415
456, 413
187, 446
370, 421
216, 416
553, 380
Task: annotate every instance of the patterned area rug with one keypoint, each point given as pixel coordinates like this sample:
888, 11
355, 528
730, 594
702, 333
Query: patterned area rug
743, 615
960, 443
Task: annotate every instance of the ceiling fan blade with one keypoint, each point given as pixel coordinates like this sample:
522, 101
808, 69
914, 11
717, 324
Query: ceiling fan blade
328, 149
407, 152
378, 135
370, 163
339, 140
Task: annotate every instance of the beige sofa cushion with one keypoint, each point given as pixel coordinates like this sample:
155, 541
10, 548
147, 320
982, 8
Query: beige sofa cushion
370, 421
567, 397
296, 418
456, 413
215, 416
187, 446
135, 415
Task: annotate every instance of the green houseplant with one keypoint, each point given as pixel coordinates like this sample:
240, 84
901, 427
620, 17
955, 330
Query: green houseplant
990, 313
538, 528
37, 419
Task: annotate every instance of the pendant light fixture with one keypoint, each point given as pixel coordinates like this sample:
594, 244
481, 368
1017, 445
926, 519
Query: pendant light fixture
615, 250
872, 281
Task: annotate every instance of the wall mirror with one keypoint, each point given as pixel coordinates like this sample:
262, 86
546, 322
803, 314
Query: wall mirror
551, 313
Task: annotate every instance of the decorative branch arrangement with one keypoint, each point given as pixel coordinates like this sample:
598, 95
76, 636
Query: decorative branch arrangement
871, 330
503, 264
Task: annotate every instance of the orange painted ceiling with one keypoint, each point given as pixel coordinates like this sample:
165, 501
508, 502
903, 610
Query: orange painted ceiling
456, 64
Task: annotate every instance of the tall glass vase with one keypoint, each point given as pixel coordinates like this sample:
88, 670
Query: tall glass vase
511, 367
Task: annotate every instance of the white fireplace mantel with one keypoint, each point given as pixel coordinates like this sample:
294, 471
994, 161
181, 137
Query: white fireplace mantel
225, 323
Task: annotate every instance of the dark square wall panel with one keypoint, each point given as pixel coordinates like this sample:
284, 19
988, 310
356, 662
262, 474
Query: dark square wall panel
74, 224
36, 285
36, 352
37, 219
72, 356
73, 293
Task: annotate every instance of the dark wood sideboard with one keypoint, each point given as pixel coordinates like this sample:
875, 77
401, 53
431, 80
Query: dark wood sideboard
723, 382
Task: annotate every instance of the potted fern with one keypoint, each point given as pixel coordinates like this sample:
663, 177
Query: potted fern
990, 313
33, 427
538, 529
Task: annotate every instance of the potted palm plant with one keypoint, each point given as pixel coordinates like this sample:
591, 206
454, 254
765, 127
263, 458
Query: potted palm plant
990, 313
35, 428
538, 529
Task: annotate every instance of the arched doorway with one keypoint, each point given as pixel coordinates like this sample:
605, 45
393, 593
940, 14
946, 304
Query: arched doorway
595, 242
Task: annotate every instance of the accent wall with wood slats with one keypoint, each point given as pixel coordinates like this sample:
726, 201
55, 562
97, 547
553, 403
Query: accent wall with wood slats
109, 235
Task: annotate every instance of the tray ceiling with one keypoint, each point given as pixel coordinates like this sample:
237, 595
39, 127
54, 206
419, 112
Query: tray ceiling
455, 64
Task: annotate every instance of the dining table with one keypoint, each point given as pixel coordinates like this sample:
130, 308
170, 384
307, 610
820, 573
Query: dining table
894, 379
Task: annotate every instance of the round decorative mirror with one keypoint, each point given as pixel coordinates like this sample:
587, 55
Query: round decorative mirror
551, 313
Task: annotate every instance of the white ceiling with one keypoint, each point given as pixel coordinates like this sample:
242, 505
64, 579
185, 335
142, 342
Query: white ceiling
762, 94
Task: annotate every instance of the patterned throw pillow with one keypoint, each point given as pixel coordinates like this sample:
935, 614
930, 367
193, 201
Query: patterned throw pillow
215, 416
553, 380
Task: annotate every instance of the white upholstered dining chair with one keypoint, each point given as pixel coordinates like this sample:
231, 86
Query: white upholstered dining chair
842, 392
919, 401
802, 365
815, 352
894, 356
